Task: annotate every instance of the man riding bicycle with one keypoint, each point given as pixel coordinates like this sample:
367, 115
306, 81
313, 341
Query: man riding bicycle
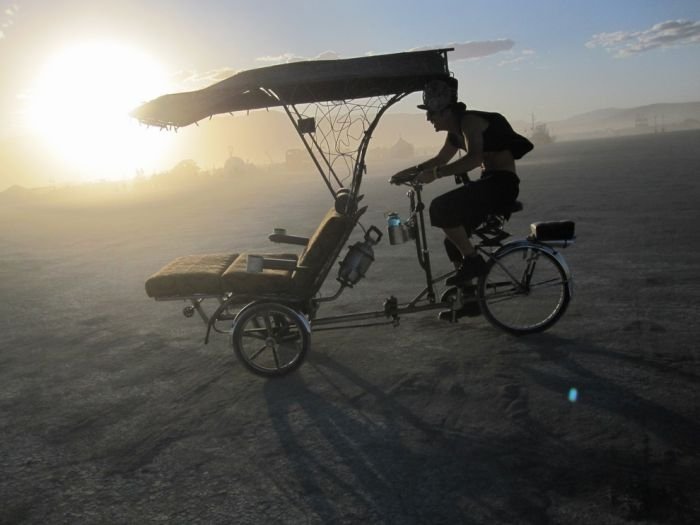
490, 143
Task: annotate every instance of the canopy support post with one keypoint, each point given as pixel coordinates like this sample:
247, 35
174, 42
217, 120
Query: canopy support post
364, 145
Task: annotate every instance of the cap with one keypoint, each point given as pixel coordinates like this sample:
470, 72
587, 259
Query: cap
439, 94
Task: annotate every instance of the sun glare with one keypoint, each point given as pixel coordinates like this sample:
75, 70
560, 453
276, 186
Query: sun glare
80, 107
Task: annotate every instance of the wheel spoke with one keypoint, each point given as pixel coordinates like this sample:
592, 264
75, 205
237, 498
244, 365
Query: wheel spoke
548, 283
254, 356
277, 359
268, 326
513, 279
527, 304
529, 271
255, 333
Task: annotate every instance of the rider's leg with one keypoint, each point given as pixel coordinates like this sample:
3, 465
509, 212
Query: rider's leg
453, 212
458, 236
472, 266
466, 207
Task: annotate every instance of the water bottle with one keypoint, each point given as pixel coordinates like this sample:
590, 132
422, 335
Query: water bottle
393, 220
397, 233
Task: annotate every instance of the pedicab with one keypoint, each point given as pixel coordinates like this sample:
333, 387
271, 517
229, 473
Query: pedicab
269, 304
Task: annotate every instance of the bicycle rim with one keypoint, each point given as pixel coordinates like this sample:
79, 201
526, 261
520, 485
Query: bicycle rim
525, 290
270, 339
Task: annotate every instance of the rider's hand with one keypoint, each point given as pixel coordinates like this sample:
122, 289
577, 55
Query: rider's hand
426, 176
406, 175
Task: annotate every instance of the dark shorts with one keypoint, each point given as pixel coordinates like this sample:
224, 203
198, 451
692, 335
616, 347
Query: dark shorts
469, 205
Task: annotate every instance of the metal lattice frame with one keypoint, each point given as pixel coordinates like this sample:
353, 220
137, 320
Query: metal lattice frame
336, 135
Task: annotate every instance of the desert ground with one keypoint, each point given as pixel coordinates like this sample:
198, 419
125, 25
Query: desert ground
112, 410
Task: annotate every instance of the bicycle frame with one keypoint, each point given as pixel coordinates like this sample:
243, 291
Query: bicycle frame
416, 222
424, 301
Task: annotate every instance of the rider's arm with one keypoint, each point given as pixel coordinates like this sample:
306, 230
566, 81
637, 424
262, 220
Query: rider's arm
444, 155
419, 171
473, 128
424, 171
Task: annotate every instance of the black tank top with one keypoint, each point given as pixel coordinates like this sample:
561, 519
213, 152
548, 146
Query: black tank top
498, 136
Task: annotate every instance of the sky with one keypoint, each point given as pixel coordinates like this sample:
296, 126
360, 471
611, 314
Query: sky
68, 66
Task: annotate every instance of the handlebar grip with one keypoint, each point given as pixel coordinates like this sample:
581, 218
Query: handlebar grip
406, 179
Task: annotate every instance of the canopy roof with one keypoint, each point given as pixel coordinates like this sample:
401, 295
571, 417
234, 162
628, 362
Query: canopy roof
299, 83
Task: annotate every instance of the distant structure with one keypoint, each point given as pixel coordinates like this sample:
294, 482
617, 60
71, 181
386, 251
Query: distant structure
641, 123
690, 123
660, 128
401, 150
539, 134
236, 166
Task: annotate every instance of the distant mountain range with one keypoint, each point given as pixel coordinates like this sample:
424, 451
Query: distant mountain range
264, 137
622, 121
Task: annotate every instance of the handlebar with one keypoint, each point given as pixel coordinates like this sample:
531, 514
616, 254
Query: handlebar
408, 179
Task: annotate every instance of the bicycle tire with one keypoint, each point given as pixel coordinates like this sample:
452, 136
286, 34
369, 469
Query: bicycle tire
524, 290
270, 339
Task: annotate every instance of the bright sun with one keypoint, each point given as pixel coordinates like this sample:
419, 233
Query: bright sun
80, 106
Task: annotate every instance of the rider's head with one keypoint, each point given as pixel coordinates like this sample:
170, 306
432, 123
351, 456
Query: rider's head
439, 94
438, 97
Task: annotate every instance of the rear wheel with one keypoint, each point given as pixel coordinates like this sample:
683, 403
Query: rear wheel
525, 290
270, 339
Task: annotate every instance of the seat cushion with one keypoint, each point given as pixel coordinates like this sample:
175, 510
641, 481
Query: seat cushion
238, 280
552, 230
190, 275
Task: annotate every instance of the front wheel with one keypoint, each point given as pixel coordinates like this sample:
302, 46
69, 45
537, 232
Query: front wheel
524, 290
270, 339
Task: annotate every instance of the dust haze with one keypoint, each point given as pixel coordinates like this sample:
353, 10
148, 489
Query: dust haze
113, 409
266, 139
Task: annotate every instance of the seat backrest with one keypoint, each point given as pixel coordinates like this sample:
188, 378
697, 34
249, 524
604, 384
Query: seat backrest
322, 250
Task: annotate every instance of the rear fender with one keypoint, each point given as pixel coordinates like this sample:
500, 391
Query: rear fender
542, 247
